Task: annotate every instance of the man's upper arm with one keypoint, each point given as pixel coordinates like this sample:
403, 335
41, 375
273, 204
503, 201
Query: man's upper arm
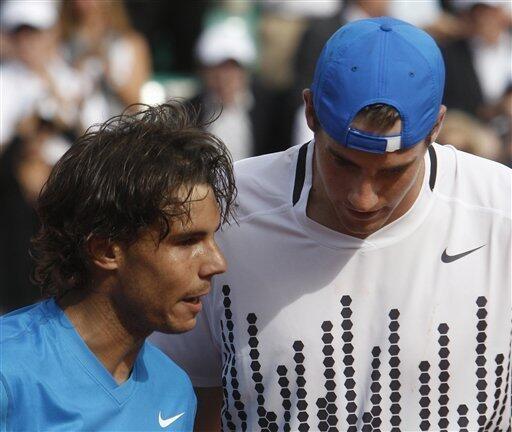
209, 404
195, 352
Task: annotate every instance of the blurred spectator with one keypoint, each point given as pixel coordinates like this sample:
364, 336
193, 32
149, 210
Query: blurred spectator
479, 69
35, 77
426, 14
477, 51
430, 15
225, 52
101, 42
314, 38
501, 122
479, 65
24, 168
468, 134
171, 29
281, 27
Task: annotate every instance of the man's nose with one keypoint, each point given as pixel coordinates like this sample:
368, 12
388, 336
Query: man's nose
362, 196
215, 262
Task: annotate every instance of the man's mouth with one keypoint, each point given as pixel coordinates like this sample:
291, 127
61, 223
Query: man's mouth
363, 216
196, 299
192, 300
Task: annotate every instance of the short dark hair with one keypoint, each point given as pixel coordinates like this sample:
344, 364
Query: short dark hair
380, 117
120, 177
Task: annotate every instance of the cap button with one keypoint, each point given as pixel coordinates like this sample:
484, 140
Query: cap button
385, 27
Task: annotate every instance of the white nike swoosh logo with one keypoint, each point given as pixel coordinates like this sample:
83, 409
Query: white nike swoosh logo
166, 422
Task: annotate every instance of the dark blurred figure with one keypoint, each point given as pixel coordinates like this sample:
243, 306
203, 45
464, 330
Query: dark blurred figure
429, 16
171, 29
100, 41
501, 122
225, 52
24, 167
479, 72
478, 65
320, 30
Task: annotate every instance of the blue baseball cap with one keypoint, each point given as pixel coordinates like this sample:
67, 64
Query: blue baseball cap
378, 60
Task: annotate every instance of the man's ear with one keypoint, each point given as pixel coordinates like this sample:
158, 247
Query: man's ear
311, 118
103, 252
438, 125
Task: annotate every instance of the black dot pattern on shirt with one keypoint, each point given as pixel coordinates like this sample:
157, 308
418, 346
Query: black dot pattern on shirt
328, 407
302, 405
497, 393
375, 388
230, 369
463, 421
348, 371
481, 382
226, 417
506, 394
394, 371
424, 379
444, 376
267, 419
286, 394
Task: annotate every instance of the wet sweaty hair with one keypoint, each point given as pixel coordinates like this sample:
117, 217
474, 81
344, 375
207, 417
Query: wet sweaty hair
125, 175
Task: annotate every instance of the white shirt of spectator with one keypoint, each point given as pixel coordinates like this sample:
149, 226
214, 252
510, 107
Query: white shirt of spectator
493, 66
22, 92
234, 126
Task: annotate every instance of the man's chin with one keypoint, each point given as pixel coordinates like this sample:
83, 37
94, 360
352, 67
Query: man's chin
361, 229
178, 327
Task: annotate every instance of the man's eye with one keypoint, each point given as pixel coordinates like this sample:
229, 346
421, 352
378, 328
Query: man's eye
344, 163
187, 241
395, 171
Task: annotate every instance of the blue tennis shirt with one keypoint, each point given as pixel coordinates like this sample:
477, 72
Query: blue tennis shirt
51, 380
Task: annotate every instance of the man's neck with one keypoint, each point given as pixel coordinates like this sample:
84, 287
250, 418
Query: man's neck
97, 322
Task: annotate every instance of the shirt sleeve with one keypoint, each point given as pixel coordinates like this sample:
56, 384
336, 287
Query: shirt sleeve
195, 352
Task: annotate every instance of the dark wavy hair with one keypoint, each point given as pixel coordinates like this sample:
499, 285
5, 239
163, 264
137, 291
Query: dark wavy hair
120, 177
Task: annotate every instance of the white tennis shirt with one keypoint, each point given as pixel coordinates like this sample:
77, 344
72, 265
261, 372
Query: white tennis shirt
408, 329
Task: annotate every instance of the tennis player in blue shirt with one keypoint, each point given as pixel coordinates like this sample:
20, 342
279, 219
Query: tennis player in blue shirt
126, 247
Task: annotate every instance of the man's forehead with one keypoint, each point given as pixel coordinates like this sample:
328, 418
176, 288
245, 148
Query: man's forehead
190, 192
200, 208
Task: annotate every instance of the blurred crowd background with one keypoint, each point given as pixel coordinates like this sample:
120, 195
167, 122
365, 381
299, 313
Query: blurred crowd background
68, 64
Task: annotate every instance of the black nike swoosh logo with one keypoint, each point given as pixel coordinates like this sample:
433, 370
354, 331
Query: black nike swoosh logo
450, 258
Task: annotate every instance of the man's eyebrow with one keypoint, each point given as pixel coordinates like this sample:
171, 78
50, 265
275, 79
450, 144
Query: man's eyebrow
194, 232
341, 158
400, 167
188, 233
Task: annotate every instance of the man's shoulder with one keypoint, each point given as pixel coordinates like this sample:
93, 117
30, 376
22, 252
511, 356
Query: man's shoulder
23, 343
472, 180
265, 182
21, 324
165, 368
